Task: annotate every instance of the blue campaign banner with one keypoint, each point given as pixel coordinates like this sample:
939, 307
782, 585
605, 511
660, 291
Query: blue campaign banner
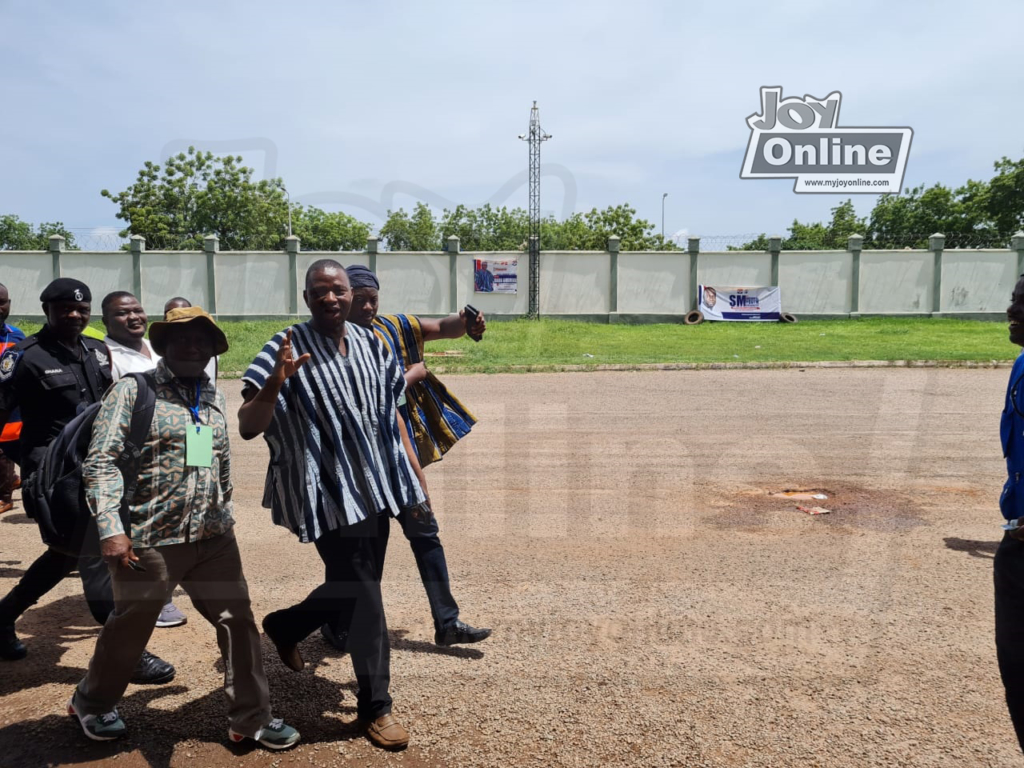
720, 302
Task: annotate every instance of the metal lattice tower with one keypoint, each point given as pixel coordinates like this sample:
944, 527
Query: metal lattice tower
535, 136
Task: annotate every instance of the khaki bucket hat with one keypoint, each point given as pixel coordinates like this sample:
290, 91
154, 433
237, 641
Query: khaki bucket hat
180, 316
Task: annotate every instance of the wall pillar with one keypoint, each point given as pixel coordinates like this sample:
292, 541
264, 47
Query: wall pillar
614, 242
137, 246
775, 248
453, 274
211, 244
56, 249
291, 246
372, 246
693, 249
854, 244
935, 244
1017, 244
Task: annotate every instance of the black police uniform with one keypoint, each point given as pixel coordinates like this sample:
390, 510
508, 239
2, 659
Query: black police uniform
51, 384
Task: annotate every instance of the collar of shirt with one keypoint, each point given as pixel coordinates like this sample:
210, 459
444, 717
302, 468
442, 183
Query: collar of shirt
163, 375
129, 351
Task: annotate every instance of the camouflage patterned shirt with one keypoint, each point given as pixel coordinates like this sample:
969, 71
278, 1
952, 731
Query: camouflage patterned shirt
173, 503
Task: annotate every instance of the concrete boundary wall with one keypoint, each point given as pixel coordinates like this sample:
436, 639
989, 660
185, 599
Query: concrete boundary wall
598, 286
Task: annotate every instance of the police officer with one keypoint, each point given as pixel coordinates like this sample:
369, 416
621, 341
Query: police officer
51, 376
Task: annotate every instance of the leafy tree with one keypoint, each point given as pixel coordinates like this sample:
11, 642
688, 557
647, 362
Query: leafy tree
815, 237
197, 194
18, 235
416, 233
1004, 201
980, 214
503, 229
636, 234
486, 228
319, 230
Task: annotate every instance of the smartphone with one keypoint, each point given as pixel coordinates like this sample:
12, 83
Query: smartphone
136, 566
472, 313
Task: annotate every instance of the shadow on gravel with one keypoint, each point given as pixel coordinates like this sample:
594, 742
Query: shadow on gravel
11, 573
57, 740
322, 709
16, 518
45, 630
418, 646
986, 550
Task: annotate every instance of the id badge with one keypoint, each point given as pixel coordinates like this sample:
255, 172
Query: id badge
198, 446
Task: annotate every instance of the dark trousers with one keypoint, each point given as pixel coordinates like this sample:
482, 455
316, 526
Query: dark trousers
1008, 571
8, 474
353, 559
48, 571
420, 527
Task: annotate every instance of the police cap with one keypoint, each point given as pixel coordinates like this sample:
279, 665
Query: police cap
66, 289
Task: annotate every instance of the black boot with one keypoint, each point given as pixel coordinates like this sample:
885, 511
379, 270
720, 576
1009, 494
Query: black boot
459, 632
11, 648
152, 670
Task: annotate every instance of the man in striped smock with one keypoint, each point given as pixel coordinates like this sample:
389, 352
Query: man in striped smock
435, 421
325, 395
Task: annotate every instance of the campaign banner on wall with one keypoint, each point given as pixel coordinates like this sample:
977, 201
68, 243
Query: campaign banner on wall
494, 276
733, 303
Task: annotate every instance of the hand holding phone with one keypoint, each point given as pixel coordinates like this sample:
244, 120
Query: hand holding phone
472, 315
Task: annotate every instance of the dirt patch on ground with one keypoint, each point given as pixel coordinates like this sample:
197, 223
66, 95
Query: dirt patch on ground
849, 506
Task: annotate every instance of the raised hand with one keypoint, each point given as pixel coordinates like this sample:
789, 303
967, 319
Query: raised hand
285, 366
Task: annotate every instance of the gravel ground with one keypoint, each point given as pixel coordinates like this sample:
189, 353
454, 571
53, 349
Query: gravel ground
652, 605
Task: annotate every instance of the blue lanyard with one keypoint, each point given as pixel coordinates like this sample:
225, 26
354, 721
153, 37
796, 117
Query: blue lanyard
194, 409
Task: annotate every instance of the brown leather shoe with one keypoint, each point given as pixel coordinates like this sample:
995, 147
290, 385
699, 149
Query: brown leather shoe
289, 652
387, 733
6, 506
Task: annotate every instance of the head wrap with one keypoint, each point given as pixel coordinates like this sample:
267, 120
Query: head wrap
66, 289
361, 277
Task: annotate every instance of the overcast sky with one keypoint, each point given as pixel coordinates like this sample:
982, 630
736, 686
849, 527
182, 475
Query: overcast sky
425, 100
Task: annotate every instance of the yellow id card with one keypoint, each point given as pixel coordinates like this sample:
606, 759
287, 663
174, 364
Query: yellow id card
198, 446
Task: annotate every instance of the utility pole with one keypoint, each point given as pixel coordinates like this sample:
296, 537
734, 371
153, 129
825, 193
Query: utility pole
535, 136
289, 198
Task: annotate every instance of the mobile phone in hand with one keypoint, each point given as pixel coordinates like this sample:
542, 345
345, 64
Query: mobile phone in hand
136, 566
472, 313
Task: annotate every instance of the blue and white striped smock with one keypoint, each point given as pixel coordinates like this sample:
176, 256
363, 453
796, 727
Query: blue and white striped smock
336, 455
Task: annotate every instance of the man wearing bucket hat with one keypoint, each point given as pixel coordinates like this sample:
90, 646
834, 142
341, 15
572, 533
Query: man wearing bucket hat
50, 376
181, 533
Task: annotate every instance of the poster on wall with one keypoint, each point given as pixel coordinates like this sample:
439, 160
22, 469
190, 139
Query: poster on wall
491, 276
744, 304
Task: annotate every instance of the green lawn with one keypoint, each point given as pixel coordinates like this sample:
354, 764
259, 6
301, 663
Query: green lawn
549, 344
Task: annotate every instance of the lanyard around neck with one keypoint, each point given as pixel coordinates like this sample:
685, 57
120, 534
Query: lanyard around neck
194, 409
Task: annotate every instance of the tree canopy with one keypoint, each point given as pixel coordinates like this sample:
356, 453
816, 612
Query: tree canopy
503, 229
980, 214
18, 235
198, 193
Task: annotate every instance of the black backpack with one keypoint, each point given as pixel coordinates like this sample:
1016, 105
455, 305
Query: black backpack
54, 495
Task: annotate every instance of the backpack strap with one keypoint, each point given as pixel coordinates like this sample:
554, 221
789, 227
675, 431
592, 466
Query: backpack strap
142, 419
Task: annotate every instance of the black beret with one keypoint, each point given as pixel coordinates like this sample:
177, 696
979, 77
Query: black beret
66, 289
